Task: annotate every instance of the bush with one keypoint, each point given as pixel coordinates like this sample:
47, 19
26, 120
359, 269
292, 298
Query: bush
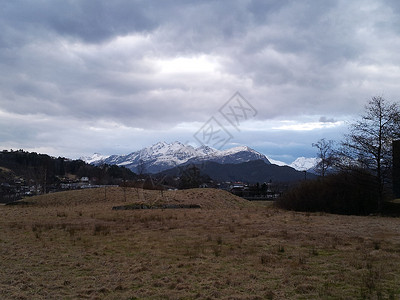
350, 192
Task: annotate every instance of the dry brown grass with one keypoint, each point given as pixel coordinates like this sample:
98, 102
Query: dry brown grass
73, 245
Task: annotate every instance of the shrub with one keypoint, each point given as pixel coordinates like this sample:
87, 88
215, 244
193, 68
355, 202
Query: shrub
349, 192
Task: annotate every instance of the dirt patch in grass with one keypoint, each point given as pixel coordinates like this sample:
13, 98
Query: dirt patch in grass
159, 206
73, 245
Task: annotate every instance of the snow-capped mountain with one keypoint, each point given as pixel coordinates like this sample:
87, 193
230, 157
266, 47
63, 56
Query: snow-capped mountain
162, 156
95, 157
300, 163
304, 163
277, 162
234, 155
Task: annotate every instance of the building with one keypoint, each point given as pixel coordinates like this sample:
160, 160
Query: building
85, 179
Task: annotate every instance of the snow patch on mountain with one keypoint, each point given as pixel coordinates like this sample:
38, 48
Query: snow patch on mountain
95, 157
277, 162
304, 163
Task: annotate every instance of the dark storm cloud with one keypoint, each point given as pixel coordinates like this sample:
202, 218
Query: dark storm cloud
90, 21
93, 83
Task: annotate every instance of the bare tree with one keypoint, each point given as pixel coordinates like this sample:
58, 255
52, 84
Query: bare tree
141, 168
369, 143
325, 154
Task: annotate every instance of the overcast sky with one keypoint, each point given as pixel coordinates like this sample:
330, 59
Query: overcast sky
78, 77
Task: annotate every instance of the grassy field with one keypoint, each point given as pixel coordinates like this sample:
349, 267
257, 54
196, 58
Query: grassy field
72, 245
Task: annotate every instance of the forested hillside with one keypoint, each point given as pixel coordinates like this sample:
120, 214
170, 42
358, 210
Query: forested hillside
26, 173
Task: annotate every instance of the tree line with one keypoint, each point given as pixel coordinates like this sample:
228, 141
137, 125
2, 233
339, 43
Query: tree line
42, 168
355, 173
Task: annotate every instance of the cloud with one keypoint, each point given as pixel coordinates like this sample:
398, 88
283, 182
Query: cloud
88, 21
324, 119
148, 67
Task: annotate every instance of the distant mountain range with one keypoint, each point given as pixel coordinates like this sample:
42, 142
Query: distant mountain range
163, 156
235, 164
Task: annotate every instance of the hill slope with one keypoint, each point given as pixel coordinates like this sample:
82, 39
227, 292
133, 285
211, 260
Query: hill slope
107, 198
251, 172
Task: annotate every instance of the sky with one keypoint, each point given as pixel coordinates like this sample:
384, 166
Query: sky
112, 77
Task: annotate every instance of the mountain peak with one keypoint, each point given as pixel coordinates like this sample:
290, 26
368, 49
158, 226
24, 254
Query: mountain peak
304, 163
206, 150
94, 158
239, 149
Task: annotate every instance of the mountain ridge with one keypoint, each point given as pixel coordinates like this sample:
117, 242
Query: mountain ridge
162, 156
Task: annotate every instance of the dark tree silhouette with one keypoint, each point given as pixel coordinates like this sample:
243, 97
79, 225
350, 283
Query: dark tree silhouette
369, 143
325, 154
